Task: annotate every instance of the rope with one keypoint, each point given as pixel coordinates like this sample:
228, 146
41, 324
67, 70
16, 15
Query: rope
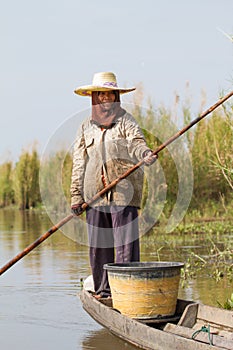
205, 330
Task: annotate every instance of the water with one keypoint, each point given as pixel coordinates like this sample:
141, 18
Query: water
39, 303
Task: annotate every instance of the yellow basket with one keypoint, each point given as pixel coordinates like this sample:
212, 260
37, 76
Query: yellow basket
144, 289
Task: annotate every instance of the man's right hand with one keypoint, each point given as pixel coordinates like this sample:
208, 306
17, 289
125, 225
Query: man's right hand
77, 209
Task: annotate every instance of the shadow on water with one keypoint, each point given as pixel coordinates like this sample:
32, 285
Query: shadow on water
39, 307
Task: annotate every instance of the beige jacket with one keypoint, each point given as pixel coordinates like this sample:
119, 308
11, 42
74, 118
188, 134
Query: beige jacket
109, 153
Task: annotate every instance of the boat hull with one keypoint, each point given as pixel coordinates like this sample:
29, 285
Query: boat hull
136, 332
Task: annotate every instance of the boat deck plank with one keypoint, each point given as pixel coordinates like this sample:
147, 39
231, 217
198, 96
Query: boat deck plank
216, 339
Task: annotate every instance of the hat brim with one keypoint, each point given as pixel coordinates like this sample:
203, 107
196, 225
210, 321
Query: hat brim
88, 89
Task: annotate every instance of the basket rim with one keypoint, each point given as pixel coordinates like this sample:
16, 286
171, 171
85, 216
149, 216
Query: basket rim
143, 266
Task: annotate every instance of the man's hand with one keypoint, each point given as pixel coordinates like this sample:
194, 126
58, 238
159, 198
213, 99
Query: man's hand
77, 209
149, 157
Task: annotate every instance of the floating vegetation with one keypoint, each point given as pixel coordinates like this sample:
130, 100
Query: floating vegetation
228, 305
206, 248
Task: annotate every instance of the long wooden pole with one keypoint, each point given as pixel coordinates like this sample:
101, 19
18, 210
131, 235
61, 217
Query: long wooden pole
35, 244
110, 186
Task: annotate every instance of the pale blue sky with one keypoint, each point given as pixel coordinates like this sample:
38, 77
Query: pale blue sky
49, 47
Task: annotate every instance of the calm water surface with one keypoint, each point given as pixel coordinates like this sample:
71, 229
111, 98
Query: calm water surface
39, 304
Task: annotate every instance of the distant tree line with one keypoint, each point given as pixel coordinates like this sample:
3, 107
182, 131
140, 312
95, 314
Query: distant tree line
210, 145
19, 183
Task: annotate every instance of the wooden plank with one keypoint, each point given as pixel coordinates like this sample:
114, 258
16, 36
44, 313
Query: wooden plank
215, 329
218, 317
202, 336
188, 319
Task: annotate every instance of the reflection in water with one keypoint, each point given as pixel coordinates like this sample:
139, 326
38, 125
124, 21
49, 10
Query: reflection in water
39, 307
104, 340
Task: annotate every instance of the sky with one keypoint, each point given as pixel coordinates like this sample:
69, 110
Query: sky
49, 47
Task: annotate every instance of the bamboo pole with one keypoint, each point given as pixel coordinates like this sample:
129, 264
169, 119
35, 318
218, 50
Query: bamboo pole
111, 185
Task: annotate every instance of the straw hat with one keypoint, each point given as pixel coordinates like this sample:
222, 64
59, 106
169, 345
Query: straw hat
103, 81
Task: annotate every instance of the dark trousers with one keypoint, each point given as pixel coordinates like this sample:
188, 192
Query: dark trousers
110, 227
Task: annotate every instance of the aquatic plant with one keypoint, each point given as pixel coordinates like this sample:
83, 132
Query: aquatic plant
228, 304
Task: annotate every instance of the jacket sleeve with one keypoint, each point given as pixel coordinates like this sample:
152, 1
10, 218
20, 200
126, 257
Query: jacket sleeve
78, 170
136, 142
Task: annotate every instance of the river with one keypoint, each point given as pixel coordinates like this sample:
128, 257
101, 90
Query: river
40, 307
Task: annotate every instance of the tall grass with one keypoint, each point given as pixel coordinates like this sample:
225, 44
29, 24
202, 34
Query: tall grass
209, 145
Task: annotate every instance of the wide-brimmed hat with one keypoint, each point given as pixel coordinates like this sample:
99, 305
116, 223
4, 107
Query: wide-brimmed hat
103, 81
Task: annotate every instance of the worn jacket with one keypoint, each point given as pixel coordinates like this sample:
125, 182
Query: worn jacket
102, 155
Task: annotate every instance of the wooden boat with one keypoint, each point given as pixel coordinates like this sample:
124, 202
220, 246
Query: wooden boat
194, 326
